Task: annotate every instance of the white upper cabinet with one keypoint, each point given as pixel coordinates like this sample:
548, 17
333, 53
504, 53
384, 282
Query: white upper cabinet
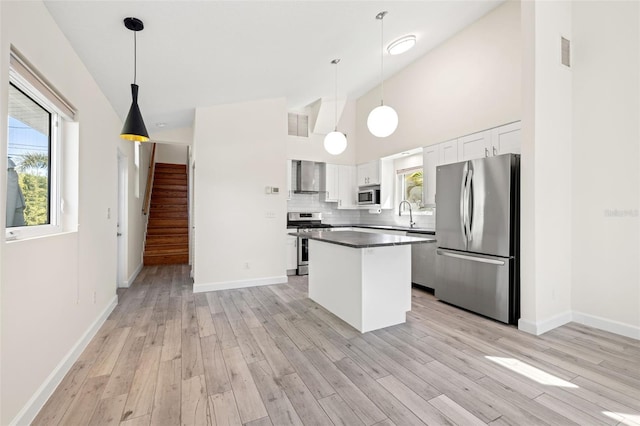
329, 182
448, 152
338, 182
473, 146
347, 187
369, 173
506, 139
431, 158
289, 177
500, 140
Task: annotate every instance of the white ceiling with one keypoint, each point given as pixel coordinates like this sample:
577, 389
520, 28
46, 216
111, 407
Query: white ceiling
202, 53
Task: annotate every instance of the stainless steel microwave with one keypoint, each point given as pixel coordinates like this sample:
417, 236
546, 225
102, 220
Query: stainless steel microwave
368, 196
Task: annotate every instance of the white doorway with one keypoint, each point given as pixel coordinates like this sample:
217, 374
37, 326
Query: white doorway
121, 217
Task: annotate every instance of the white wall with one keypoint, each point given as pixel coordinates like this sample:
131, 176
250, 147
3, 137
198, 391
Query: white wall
606, 164
171, 153
469, 83
54, 288
234, 163
172, 145
546, 181
312, 148
136, 220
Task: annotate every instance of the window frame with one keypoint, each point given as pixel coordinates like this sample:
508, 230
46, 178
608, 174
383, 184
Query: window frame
400, 191
55, 162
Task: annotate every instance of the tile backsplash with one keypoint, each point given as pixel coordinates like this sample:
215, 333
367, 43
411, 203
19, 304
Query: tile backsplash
334, 216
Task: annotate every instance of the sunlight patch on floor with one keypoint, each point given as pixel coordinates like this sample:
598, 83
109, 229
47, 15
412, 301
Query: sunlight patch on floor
624, 418
531, 372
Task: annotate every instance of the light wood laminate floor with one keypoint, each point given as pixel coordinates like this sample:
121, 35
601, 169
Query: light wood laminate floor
270, 356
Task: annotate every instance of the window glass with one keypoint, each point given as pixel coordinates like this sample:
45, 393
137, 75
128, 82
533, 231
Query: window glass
28, 162
410, 186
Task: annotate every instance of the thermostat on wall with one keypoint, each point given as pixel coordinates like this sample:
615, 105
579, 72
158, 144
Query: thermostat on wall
271, 190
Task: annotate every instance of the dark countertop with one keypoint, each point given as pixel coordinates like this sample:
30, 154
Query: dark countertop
356, 239
397, 228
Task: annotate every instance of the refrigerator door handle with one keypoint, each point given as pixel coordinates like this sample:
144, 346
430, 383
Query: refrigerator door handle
471, 258
463, 207
469, 204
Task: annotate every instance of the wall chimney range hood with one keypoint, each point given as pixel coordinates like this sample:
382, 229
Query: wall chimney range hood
306, 182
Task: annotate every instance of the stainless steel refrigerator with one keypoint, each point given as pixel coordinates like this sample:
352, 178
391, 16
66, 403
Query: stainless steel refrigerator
478, 233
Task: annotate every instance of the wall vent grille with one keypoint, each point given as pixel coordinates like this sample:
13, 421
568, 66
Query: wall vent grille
298, 125
566, 52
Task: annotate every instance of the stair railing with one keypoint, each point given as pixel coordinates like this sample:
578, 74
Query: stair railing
146, 204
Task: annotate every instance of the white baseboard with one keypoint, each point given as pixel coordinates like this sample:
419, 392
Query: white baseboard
600, 323
133, 276
227, 285
541, 327
40, 397
605, 324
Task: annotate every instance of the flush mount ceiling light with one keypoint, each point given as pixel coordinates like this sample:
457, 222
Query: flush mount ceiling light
401, 45
134, 128
382, 120
335, 142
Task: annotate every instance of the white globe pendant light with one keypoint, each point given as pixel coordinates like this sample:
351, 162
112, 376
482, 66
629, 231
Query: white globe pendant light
382, 120
335, 142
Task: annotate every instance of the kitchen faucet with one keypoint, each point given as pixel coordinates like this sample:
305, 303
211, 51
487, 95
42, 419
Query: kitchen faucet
411, 222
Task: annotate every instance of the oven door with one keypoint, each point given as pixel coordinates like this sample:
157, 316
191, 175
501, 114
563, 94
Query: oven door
303, 256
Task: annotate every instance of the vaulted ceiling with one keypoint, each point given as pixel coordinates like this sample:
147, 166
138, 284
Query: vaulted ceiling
201, 53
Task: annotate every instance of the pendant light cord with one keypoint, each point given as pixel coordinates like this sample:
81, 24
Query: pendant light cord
382, 60
135, 56
335, 103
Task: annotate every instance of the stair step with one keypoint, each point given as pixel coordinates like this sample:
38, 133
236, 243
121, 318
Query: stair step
166, 214
167, 193
168, 223
182, 188
154, 240
168, 201
171, 166
170, 181
171, 170
169, 249
166, 259
167, 231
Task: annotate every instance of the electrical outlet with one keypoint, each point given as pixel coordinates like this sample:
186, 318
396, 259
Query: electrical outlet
94, 297
108, 212
270, 215
246, 265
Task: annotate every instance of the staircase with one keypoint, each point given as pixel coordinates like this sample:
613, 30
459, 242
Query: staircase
167, 231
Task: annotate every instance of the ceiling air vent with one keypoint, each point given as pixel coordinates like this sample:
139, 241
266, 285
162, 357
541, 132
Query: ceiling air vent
298, 125
566, 52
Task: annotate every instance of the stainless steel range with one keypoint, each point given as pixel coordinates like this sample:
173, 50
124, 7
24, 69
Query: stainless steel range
305, 222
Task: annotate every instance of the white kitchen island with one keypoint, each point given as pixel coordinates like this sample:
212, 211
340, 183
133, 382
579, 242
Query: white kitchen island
362, 278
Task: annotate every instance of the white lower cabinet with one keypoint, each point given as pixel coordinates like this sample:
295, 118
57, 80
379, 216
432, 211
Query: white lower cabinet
291, 250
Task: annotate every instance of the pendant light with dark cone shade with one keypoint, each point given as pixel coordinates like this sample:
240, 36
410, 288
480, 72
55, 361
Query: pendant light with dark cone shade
134, 128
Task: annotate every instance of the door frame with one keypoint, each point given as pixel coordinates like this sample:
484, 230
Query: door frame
121, 221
